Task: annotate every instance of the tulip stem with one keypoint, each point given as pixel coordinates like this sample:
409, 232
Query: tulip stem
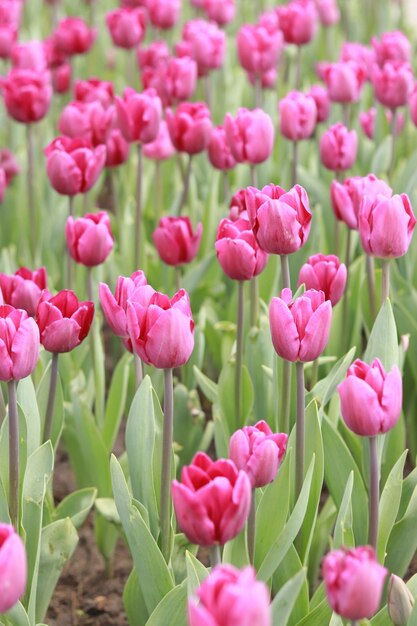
186, 188
258, 92
90, 290
371, 285
51, 398
294, 169
138, 370
251, 528
239, 351
354, 622
345, 311
373, 492
215, 556
69, 259
207, 90
393, 144
298, 68
165, 504
138, 217
254, 301
285, 272
13, 454
253, 176
286, 366
346, 114
31, 188
159, 191
178, 278
385, 280
300, 429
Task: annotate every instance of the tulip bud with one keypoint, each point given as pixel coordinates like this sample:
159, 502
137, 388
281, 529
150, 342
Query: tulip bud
250, 135
163, 13
400, 601
94, 90
175, 240
19, 344
237, 250
338, 148
220, 11
23, 289
13, 568
219, 152
298, 21
73, 36
392, 46
324, 273
160, 148
190, 127
347, 197
27, 94
205, 43
344, 80
393, 83
322, 100
298, 115
139, 115
258, 49
126, 27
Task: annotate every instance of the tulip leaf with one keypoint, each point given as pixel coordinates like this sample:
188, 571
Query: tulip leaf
281, 546
76, 506
133, 601
288, 568
382, 618
193, 277
153, 573
227, 398
26, 397
221, 433
321, 614
196, 572
207, 386
98, 370
343, 535
116, 401
383, 340
381, 157
286, 598
172, 608
326, 387
17, 616
389, 505
107, 509
235, 551
402, 542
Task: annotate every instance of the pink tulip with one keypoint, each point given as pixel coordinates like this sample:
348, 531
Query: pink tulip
347, 197
164, 14
3, 184
269, 20
153, 54
73, 165
386, 225
338, 148
19, 345
328, 12
126, 27
367, 121
266, 80
354, 582
9, 164
93, 90
174, 79
139, 115
61, 76
298, 115
237, 206
300, 328
115, 306
13, 568
393, 83
87, 120
205, 43
344, 80
29, 55
298, 21
212, 501
27, 95
392, 46
219, 152
326, 274
229, 597
413, 106
73, 36
189, 127
161, 330
360, 54
280, 220
23, 289
161, 148
237, 250
63, 321
258, 451
250, 135
322, 100
175, 240
117, 149
220, 11
8, 37
258, 49
89, 238
371, 398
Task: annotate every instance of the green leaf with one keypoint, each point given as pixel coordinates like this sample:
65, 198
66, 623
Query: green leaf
42, 394
207, 386
290, 531
402, 542
383, 340
116, 401
152, 570
235, 551
76, 506
18, 616
286, 598
320, 615
26, 397
172, 609
324, 389
107, 508
98, 370
196, 572
343, 534
288, 568
389, 505
134, 602
194, 276
226, 387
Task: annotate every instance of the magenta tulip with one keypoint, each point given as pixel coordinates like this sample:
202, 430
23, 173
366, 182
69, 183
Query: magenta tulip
324, 273
163, 14
160, 148
338, 148
94, 90
190, 127
344, 80
347, 196
321, 98
298, 21
13, 568
27, 94
139, 115
126, 27
89, 238
298, 115
258, 49
250, 135
237, 250
175, 240
392, 46
393, 83
19, 344
219, 152
73, 165
205, 43
23, 289
220, 11
73, 36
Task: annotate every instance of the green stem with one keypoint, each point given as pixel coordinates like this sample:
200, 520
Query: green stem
215, 556
31, 188
258, 92
393, 144
314, 373
254, 302
346, 114
239, 350
286, 365
385, 280
345, 311
13, 454
373, 493
285, 272
90, 289
158, 191
177, 278
298, 68
251, 526
138, 216
70, 266
294, 168
49, 416
167, 437
186, 188
300, 429
138, 370
354, 622
253, 176
370, 274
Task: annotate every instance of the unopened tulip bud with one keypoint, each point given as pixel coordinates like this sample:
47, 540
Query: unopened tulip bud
400, 601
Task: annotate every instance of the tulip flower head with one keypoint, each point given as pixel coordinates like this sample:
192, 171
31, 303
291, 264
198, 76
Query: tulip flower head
190, 127
23, 289
298, 21
19, 344
73, 36
237, 250
126, 27
324, 273
89, 238
298, 116
13, 568
392, 46
175, 240
393, 83
344, 80
139, 115
27, 94
338, 148
250, 135
163, 14
205, 43
220, 11
219, 151
347, 196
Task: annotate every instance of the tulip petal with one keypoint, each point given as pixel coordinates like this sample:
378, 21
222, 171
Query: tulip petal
283, 330
316, 334
360, 407
192, 515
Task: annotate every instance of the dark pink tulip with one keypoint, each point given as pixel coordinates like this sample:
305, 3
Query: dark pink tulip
338, 148
74, 121
73, 36
205, 43
89, 238
23, 289
392, 46
212, 501
237, 250
161, 148
8, 37
117, 149
237, 206
73, 165
229, 597
126, 27
347, 197
29, 55
3, 184
371, 398
344, 80
19, 345
63, 321
115, 306
367, 121
386, 225
9, 164
139, 115
219, 152
220, 11
354, 581
133, 3
322, 100
328, 12
190, 127
258, 49
324, 273
153, 54
393, 83
360, 54
298, 21
298, 115
175, 240
61, 77
13, 568
27, 95
269, 20
174, 79
280, 220
93, 90
161, 330
250, 135
163, 14
258, 451
300, 328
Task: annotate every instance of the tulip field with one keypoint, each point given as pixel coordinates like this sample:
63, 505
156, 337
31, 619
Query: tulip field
208, 296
